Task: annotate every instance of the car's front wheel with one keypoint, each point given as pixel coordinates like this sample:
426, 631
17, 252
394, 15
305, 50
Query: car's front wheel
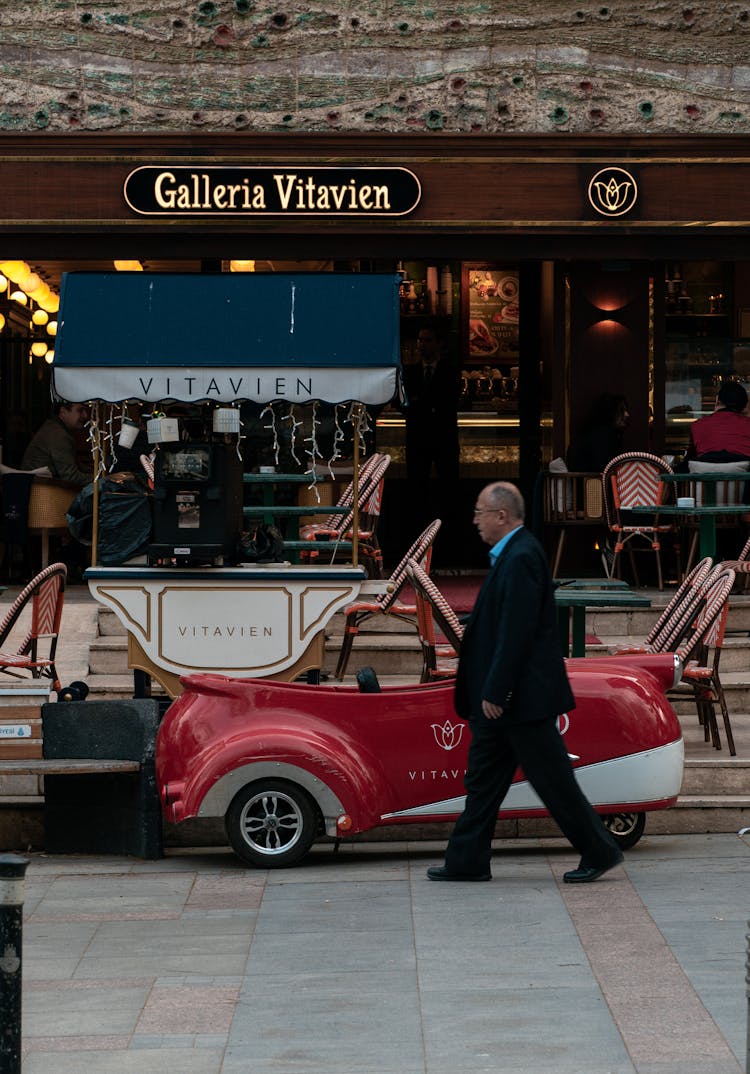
271, 823
627, 828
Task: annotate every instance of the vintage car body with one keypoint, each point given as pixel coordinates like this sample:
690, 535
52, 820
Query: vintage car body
284, 762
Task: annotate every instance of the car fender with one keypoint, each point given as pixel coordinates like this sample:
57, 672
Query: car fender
340, 774
219, 797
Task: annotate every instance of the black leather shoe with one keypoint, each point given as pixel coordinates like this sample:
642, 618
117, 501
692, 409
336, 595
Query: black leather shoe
439, 872
584, 874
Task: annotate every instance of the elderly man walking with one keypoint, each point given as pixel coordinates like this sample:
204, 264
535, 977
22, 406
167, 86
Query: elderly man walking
511, 686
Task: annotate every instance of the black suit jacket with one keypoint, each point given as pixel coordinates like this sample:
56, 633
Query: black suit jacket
510, 652
432, 403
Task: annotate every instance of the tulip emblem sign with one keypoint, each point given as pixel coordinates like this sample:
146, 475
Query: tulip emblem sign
613, 192
448, 735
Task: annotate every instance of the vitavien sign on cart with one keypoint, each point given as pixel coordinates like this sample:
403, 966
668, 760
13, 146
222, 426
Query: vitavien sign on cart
280, 191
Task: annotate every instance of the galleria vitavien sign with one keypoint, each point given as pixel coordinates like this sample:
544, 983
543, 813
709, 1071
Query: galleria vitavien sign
271, 191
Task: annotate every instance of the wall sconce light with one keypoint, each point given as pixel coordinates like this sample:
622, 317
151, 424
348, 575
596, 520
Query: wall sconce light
3, 283
52, 328
39, 317
2, 322
39, 349
49, 357
20, 297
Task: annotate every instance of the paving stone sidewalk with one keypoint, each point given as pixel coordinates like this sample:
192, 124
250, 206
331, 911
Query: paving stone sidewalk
354, 963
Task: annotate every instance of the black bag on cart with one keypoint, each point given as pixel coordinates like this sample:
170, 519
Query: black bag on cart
261, 544
125, 520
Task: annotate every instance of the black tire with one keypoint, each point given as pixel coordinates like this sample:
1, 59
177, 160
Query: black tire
271, 823
627, 828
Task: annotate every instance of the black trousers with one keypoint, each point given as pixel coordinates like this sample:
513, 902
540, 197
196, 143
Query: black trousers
497, 749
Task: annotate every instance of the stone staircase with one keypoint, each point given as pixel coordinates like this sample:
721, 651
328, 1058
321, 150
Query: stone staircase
716, 789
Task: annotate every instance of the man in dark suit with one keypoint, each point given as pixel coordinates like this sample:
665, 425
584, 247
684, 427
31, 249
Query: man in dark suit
432, 387
511, 686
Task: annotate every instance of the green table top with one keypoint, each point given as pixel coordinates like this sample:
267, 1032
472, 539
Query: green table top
598, 598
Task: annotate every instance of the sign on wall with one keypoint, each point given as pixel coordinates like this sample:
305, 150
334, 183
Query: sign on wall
170, 190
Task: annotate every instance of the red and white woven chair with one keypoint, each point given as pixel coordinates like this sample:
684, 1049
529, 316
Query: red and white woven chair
706, 636
370, 496
675, 621
634, 480
430, 601
47, 593
387, 603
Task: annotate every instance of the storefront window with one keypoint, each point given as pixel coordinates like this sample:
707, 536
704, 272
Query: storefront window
705, 343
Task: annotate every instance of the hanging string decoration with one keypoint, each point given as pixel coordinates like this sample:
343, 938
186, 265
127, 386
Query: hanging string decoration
313, 452
272, 428
108, 440
96, 439
339, 436
360, 420
295, 423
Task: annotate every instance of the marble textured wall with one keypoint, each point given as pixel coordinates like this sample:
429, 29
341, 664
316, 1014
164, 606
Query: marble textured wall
640, 66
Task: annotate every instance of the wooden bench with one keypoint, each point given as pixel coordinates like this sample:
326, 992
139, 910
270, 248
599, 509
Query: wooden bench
97, 763
22, 738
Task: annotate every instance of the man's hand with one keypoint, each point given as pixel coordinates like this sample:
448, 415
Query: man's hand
491, 710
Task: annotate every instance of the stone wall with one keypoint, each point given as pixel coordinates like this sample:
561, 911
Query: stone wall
640, 66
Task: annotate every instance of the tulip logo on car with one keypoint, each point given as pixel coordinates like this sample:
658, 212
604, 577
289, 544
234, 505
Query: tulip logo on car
448, 735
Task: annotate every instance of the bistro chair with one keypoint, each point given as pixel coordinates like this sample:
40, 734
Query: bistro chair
634, 480
675, 621
430, 601
370, 497
741, 565
387, 603
706, 635
49, 501
46, 593
571, 501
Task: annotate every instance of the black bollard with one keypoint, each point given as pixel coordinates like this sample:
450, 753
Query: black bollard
12, 872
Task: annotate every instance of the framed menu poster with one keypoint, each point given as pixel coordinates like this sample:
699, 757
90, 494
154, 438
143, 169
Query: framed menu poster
490, 314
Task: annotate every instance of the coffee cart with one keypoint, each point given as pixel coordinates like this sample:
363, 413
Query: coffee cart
157, 340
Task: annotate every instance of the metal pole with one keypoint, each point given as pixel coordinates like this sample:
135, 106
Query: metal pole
12, 872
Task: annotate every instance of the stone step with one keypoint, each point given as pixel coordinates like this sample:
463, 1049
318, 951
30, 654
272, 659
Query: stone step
639, 621
719, 778
115, 686
736, 690
735, 655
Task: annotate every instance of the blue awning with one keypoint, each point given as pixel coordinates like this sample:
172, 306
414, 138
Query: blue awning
227, 337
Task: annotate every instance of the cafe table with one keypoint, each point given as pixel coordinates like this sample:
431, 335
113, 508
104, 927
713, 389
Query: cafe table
706, 514
574, 598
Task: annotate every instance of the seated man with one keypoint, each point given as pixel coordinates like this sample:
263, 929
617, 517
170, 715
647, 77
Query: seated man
53, 445
724, 435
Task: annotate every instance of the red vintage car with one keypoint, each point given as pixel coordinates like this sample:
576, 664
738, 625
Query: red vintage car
285, 763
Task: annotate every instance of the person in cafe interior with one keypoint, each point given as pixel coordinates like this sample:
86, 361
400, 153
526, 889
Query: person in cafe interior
511, 686
724, 435
601, 435
54, 446
432, 386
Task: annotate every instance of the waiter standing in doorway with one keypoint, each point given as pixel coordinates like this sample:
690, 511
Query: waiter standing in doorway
432, 388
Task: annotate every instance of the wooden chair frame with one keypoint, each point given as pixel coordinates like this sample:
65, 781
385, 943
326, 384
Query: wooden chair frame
47, 594
431, 601
387, 603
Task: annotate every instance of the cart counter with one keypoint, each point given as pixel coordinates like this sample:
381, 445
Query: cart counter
259, 621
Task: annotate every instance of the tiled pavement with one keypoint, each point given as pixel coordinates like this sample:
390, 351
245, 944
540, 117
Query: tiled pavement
354, 963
